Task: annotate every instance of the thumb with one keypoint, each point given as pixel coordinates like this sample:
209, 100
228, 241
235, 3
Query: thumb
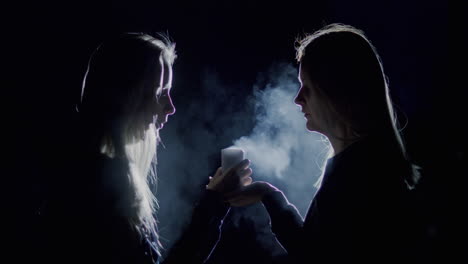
218, 172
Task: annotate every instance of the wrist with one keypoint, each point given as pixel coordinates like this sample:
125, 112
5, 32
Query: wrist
267, 188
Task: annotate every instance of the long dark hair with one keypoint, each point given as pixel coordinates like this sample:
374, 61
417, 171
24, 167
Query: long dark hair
347, 71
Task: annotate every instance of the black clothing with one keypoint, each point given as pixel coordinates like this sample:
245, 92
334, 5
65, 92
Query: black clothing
361, 213
201, 236
84, 221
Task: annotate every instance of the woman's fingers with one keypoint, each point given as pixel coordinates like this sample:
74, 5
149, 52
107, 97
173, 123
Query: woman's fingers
214, 181
240, 171
244, 173
233, 178
246, 181
242, 165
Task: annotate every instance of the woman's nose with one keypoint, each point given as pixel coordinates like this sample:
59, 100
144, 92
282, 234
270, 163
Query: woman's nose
299, 99
170, 108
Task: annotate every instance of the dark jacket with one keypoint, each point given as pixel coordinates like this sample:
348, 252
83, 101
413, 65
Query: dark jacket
203, 233
81, 222
361, 213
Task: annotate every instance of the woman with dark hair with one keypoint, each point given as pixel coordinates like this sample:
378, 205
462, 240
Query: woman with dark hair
104, 212
362, 211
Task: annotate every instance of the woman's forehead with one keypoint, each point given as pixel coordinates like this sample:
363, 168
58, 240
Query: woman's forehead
302, 73
167, 75
164, 74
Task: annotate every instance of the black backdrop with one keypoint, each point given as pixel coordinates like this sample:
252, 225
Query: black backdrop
48, 44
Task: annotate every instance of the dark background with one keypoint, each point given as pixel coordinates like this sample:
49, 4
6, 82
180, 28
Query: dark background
48, 45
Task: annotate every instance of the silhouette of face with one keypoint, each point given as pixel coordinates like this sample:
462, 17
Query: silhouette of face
160, 103
312, 104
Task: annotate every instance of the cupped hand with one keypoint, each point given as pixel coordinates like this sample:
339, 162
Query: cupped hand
234, 178
250, 193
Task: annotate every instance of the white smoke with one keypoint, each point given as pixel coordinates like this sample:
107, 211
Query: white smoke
280, 147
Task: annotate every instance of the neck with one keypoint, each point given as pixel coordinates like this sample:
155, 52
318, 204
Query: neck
341, 139
339, 145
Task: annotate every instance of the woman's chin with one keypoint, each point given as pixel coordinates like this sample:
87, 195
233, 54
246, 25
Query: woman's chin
310, 127
159, 125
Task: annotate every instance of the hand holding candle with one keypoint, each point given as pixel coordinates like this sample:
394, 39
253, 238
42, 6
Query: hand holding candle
233, 173
230, 157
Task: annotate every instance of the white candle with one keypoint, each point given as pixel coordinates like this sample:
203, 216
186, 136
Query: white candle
230, 157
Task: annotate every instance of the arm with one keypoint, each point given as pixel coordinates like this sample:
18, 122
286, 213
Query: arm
286, 222
201, 236
203, 233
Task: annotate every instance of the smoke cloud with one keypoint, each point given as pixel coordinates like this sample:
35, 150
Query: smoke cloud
280, 147
264, 121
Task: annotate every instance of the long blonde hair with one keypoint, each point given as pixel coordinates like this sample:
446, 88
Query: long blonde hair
120, 73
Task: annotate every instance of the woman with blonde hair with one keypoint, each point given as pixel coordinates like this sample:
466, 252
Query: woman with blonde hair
104, 211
